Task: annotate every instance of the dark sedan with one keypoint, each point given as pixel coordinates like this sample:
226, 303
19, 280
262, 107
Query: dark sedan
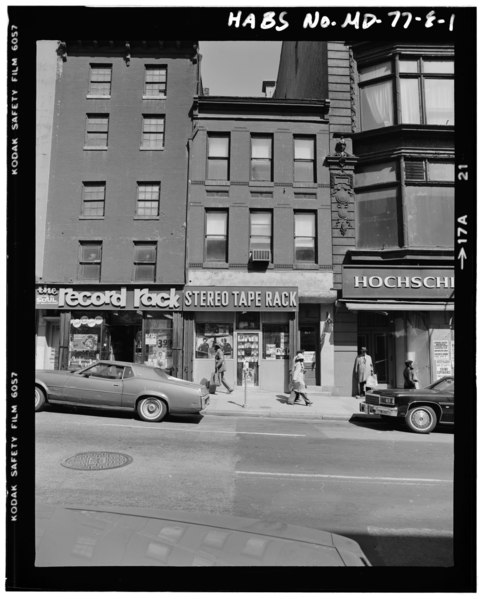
421, 409
150, 392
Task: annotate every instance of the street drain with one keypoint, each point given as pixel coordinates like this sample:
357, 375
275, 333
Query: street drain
97, 460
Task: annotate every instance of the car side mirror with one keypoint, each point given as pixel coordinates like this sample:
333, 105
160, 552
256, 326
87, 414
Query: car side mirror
86, 375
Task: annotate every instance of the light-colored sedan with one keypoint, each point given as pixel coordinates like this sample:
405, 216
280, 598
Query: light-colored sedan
150, 392
116, 536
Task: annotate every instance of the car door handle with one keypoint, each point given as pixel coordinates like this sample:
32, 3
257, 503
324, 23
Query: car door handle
116, 384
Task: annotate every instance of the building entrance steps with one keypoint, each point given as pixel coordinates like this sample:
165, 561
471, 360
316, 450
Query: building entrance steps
274, 404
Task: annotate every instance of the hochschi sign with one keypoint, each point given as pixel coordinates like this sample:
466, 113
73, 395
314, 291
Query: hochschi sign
397, 282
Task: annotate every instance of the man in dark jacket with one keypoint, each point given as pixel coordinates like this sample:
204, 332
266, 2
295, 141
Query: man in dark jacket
220, 366
410, 379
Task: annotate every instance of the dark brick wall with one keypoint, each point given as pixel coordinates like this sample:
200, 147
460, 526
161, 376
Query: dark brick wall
121, 167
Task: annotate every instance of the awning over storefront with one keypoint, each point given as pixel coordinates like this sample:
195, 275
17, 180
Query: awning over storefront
397, 306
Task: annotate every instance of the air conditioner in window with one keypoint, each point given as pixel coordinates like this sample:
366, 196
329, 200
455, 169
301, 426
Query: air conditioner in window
260, 255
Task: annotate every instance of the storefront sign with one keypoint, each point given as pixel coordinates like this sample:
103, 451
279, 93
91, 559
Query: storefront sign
397, 282
241, 298
144, 298
46, 296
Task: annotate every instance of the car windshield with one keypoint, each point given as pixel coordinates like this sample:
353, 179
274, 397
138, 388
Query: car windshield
443, 385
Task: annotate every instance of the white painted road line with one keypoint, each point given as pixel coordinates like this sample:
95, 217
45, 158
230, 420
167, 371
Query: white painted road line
382, 479
185, 430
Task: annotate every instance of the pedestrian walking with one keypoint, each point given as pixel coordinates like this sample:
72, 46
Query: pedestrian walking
220, 366
298, 382
409, 374
363, 369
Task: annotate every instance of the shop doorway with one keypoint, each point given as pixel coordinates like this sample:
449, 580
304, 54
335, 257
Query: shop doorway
123, 342
53, 343
122, 336
310, 345
376, 334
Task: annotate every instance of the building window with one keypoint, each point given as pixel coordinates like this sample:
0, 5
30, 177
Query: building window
260, 231
275, 341
152, 132
424, 88
216, 236
417, 214
97, 133
93, 199
148, 199
208, 334
155, 81
305, 237
100, 80
90, 260
377, 219
145, 260
261, 158
218, 157
304, 159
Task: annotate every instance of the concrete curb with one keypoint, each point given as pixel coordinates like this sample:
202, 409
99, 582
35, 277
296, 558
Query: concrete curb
270, 414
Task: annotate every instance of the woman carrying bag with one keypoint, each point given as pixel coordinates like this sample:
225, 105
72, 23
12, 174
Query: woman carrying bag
298, 382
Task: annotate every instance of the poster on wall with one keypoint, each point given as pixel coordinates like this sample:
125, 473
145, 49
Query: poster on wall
443, 358
83, 343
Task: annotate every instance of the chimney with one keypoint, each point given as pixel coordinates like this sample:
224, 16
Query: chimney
268, 88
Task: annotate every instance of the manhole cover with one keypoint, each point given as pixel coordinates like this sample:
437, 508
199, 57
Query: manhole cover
97, 460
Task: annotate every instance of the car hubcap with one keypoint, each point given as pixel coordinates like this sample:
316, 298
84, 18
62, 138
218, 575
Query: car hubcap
37, 397
421, 419
152, 408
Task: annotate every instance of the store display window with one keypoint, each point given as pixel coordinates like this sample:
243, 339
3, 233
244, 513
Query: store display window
248, 320
158, 342
208, 334
275, 342
84, 341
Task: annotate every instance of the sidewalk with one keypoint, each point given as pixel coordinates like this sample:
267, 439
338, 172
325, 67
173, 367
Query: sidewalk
272, 404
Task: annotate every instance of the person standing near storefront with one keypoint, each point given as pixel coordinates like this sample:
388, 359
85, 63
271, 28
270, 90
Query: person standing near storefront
363, 369
298, 382
220, 366
410, 379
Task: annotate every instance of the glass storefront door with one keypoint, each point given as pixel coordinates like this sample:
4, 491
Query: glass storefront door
309, 343
247, 347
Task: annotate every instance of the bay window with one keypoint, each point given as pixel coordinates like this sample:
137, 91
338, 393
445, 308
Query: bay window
423, 87
418, 214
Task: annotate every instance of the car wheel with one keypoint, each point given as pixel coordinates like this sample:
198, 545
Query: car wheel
40, 399
151, 409
421, 419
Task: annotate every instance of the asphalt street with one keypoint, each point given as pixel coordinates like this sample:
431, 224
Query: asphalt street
390, 490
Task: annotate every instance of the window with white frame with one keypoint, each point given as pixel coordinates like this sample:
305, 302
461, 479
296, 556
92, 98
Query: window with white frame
155, 81
153, 132
261, 158
216, 236
100, 83
145, 261
97, 131
304, 159
90, 260
148, 199
93, 199
305, 237
218, 157
260, 230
